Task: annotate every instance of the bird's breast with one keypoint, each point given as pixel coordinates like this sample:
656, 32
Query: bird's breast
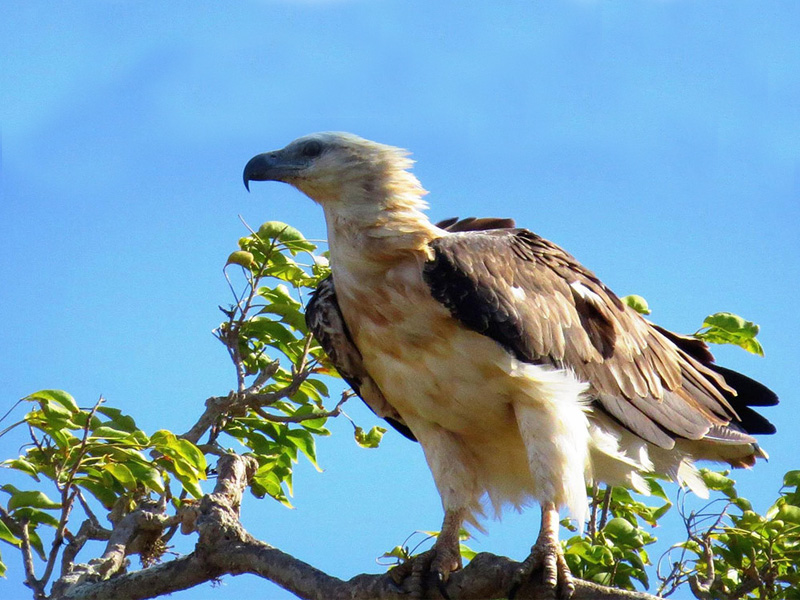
426, 363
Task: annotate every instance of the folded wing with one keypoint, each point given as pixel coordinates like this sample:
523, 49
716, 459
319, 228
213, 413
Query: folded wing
544, 307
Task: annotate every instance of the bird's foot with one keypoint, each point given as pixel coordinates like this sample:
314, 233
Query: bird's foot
546, 557
434, 566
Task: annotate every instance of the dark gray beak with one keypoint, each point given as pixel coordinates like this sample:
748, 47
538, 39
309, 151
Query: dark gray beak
263, 167
279, 165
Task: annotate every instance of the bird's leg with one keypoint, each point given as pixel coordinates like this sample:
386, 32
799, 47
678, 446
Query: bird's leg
547, 555
447, 547
438, 562
454, 472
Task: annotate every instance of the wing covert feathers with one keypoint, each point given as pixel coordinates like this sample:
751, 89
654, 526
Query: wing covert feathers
544, 307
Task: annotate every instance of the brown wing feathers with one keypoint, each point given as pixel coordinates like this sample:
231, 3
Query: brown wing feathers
543, 306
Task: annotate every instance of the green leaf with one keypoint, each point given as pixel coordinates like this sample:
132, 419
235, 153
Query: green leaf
661, 511
314, 425
119, 420
243, 258
728, 328
99, 490
266, 481
288, 235
122, 474
192, 454
305, 442
637, 303
289, 314
36, 544
109, 433
7, 536
21, 464
790, 513
279, 295
178, 448
656, 489
623, 532
35, 516
466, 552
719, 482
34, 499
192, 486
397, 552
183, 459
321, 388
147, 475
58, 396
267, 330
792, 478
371, 439
54, 410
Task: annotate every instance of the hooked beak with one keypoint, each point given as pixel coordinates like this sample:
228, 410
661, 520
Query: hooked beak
271, 166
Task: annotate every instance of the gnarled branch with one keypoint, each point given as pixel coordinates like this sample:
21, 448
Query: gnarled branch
224, 547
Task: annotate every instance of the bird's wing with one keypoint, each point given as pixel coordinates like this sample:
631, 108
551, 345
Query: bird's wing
543, 306
325, 321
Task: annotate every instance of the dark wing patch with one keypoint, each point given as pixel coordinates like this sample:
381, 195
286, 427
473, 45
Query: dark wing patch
544, 307
455, 224
325, 321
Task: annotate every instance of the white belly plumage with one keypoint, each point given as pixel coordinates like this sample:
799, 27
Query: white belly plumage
488, 423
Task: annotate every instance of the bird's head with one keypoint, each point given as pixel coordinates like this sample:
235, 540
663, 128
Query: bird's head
332, 166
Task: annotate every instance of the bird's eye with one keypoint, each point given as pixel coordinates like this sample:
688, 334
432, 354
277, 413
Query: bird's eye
312, 149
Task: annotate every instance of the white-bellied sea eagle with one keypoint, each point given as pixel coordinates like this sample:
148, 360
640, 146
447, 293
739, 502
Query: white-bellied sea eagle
521, 375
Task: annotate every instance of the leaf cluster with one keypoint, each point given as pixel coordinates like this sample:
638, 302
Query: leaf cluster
97, 458
745, 554
280, 366
728, 328
96, 452
612, 551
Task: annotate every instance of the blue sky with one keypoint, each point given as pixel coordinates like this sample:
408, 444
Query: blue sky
656, 141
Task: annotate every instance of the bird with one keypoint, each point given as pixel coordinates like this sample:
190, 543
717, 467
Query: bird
521, 375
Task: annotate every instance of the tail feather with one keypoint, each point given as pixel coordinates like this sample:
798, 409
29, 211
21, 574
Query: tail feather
749, 392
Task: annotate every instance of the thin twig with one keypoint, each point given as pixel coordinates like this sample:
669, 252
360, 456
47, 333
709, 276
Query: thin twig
300, 418
68, 496
10, 410
27, 561
10, 427
82, 447
92, 517
67, 502
606, 508
592, 525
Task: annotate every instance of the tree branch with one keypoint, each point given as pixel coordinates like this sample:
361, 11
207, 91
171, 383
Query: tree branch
225, 547
128, 536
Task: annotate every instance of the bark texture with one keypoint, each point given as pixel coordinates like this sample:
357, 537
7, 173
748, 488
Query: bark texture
224, 547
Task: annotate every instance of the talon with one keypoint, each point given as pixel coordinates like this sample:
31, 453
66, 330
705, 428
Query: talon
555, 574
441, 583
418, 571
400, 572
512, 592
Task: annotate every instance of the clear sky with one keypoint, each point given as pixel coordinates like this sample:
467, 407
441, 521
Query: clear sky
658, 142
